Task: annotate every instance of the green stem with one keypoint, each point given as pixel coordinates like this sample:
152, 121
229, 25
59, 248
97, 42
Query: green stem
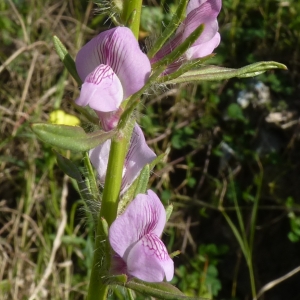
132, 12
252, 229
113, 179
251, 275
97, 288
255, 206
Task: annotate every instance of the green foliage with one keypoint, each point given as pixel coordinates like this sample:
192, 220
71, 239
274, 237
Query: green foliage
235, 112
294, 234
199, 277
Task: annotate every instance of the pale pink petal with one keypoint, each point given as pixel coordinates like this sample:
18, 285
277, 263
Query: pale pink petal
139, 154
119, 49
149, 260
198, 12
202, 15
144, 215
99, 159
194, 4
101, 90
203, 49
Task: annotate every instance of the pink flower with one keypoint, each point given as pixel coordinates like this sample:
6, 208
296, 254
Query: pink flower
198, 12
112, 67
134, 236
139, 154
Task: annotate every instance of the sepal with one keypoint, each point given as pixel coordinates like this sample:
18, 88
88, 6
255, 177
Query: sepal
157, 160
142, 182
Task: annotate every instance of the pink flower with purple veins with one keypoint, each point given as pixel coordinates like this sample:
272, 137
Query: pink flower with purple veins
134, 236
112, 68
198, 12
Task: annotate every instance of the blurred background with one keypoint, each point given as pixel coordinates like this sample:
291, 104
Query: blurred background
232, 146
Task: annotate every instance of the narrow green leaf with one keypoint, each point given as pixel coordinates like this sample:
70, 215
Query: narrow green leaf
218, 73
169, 211
70, 137
66, 58
68, 167
161, 290
157, 160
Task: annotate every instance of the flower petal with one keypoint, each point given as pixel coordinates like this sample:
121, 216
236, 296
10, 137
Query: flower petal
204, 49
205, 14
101, 90
119, 49
144, 215
149, 260
99, 159
194, 4
139, 154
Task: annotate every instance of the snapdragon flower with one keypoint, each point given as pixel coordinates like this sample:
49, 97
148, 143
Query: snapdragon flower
134, 236
198, 12
112, 68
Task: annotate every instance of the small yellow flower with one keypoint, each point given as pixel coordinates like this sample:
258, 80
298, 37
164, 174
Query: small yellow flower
60, 117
